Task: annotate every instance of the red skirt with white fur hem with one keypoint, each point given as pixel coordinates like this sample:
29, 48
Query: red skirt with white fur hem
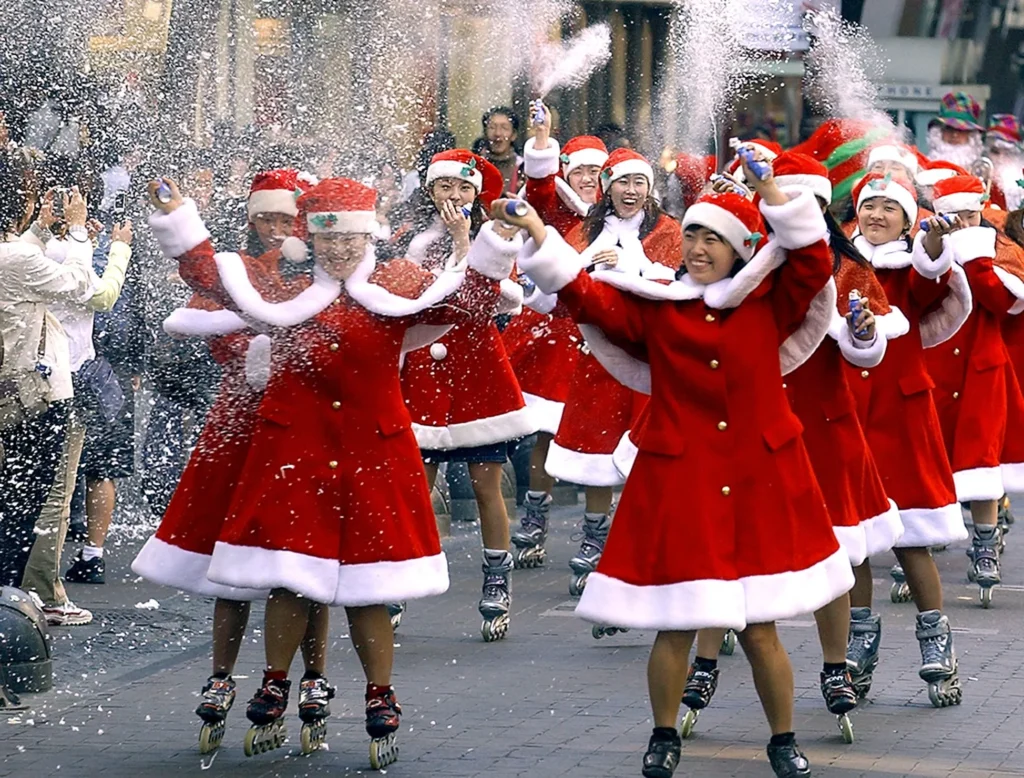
598, 412
179, 554
757, 571
865, 520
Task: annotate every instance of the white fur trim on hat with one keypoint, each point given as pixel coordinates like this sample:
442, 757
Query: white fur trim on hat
932, 176
959, 201
272, 201
594, 157
450, 168
342, 221
891, 191
629, 167
726, 224
820, 185
891, 153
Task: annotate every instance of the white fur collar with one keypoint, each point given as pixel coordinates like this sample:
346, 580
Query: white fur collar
420, 243
885, 256
195, 322
570, 199
623, 236
973, 243
727, 293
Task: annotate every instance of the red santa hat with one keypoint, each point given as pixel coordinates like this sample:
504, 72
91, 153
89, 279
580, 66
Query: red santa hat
335, 205
959, 193
583, 150
769, 148
893, 153
795, 169
625, 162
467, 166
889, 187
275, 191
733, 217
937, 171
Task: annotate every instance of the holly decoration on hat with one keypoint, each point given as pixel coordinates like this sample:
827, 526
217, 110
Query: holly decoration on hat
881, 183
468, 168
324, 221
753, 239
564, 158
1020, 183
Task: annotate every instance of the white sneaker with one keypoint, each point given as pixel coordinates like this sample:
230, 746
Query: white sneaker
67, 614
36, 600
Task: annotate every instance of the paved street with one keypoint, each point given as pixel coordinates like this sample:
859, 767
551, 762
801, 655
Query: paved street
548, 701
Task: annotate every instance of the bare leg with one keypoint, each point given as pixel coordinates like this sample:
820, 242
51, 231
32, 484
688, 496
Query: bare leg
709, 642
599, 499
374, 641
922, 576
314, 642
540, 481
230, 618
863, 591
666, 675
99, 507
486, 480
287, 619
773, 674
431, 470
985, 512
834, 629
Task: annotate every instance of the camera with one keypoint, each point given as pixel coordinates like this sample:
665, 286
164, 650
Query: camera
120, 207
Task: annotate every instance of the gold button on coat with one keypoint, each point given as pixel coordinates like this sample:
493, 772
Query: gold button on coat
333, 464
723, 426
710, 317
956, 395
726, 491
864, 373
336, 404
335, 347
714, 364
956, 352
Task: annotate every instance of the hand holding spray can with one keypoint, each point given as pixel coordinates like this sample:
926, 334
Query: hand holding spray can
760, 169
517, 208
163, 191
539, 114
946, 217
856, 308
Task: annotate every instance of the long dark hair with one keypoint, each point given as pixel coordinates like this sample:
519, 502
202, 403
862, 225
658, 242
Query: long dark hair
841, 245
1014, 228
593, 222
419, 213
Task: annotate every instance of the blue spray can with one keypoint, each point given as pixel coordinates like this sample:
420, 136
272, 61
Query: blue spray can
760, 169
855, 309
516, 208
948, 218
538, 111
163, 191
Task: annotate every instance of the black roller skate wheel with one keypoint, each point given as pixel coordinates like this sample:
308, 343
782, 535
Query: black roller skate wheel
728, 647
577, 585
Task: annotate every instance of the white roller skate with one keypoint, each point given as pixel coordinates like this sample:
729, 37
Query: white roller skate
218, 697
984, 554
497, 596
529, 539
315, 696
266, 712
595, 533
900, 590
862, 648
938, 660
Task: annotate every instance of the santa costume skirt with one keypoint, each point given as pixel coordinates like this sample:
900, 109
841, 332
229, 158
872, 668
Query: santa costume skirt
902, 429
179, 554
598, 413
543, 350
667, 566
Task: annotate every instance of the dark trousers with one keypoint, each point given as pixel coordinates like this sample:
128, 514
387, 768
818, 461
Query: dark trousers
32, 452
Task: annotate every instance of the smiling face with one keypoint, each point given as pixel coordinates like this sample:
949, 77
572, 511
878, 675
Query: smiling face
707, 256
629, 194
970, 218
338, 253
583, 181
460, 193
273, 228
881, 220
884, 166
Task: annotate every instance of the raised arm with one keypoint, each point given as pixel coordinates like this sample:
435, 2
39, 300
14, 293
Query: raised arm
119, 252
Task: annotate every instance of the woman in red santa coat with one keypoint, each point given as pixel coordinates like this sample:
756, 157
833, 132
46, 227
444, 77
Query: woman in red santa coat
710, 349
975, 380
461, 392
896, 407
627, 230
331, 506
179, 553
544, 342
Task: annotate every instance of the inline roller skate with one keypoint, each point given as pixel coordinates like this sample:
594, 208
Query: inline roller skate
395, 611
663, 752
938, 659
315, 696
900, 590
984, 554
862, 648
218, 697
788, 761
497, 595
840, 698
701, 683
533, 531
728, 643
595, 533
383, 717
266, 712
599, 631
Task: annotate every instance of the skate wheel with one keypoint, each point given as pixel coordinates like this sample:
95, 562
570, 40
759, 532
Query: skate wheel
577, 585
383, 751
728, 644
986, 597
312, 736
210, 737
494, 629
250, 745
688, 723
597, 632
846, 728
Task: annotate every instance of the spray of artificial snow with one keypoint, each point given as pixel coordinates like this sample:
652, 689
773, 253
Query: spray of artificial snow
843, 66
569, 64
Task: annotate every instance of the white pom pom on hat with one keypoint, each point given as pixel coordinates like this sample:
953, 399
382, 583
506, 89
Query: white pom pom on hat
294, 250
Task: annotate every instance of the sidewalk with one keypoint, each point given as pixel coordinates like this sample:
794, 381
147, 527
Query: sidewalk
548, 701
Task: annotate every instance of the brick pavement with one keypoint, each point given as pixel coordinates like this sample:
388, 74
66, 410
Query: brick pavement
548, 701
